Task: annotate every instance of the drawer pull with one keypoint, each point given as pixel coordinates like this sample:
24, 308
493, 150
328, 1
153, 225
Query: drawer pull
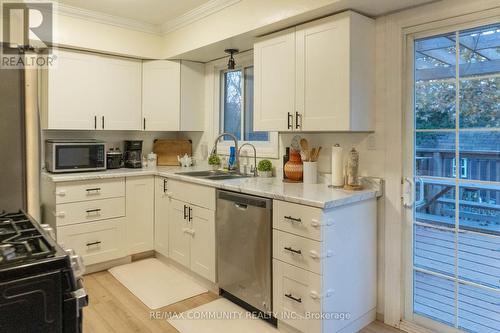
296, 299
60, 214
94, 243
95, 190
165, 187
97, 211
185, 212
314, 295
315, 224
293, 219
314, 254
61, 193
290, 249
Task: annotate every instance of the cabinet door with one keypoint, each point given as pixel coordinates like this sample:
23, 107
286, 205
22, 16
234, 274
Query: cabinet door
161, 82
203, 242
162, 203
179, 238
323, 74
70, 93
120, 99
139, 210
274, 95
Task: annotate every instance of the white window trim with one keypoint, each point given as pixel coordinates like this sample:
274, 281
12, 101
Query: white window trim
269, 149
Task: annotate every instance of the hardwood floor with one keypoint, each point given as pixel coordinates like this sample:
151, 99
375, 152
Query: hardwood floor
114, 309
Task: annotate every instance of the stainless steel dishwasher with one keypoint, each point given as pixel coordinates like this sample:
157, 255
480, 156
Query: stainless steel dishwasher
244, 234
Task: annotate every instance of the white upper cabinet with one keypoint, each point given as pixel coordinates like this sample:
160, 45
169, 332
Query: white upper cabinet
274, 94
69, 93
173, 95
91, 92
120, 94
332, 76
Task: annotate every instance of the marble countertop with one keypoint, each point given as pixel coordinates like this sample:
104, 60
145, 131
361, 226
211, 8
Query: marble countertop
316, 195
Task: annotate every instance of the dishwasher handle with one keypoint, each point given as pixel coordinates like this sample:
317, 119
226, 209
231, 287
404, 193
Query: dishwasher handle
243, 201
240, 206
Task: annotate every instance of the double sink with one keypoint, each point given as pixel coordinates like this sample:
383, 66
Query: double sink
214, 174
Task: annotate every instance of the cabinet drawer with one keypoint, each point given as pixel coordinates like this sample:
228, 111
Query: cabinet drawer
86, 211
295, 293
89, 190
198, 195
296, 250
297, 219
95, 241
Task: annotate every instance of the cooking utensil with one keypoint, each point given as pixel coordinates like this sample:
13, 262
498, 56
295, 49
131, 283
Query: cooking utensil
317, 154
313, 153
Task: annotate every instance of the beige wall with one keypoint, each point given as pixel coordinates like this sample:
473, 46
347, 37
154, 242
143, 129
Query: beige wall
83, 34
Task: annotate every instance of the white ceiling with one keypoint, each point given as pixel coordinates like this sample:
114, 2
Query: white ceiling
147, 11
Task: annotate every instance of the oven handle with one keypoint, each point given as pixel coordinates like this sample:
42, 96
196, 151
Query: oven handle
80, 295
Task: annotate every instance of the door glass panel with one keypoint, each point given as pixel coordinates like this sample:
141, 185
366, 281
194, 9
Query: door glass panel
456, 163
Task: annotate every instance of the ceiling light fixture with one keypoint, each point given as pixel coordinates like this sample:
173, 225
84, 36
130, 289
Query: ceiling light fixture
231, 63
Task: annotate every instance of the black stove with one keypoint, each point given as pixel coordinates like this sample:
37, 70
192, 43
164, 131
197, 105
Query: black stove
41, 288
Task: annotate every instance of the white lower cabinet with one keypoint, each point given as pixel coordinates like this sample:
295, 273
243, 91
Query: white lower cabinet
324, 266
95, 241
140, 214
162, 206
179, 238
192, 238
296, 292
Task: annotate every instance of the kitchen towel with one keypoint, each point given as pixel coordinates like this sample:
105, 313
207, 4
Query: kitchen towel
337, 166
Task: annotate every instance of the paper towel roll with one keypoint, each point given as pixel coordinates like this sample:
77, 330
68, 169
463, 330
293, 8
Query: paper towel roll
337, 166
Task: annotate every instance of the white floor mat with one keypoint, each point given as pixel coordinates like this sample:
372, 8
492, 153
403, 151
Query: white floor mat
219, 316
156, 284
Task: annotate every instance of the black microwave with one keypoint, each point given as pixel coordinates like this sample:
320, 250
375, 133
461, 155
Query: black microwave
75, 155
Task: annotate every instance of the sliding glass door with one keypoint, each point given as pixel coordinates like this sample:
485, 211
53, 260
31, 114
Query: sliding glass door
453, 280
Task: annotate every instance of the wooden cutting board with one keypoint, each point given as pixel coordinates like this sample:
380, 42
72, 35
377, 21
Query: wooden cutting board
168, 150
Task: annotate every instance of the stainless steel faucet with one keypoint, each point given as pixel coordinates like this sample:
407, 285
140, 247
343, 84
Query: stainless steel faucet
237, 152
254, 157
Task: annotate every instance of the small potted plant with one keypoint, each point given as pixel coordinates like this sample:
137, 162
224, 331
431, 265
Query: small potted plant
265, 168
214, 161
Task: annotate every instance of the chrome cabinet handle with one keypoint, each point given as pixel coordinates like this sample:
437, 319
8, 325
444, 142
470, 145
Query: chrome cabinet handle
293, 219
296, 299
290, 249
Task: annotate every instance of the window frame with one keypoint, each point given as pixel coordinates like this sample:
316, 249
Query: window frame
265, 149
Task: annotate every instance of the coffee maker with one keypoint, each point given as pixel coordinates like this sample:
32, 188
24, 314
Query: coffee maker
133, 154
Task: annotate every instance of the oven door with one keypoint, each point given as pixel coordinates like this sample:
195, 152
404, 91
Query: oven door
78, 157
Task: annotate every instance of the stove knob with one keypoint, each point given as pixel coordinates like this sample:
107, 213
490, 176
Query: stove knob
70, 252
49, 230
78, 265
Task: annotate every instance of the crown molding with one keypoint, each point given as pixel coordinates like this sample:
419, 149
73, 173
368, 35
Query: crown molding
99, 17
196, 14
189, 17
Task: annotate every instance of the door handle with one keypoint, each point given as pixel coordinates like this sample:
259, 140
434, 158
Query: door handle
95, 122
296, 299
190, 217
290, 249
289, 120
144, 123
240, 206
185, 212
102, 122
408, 198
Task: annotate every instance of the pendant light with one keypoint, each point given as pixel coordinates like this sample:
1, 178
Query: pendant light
231, 63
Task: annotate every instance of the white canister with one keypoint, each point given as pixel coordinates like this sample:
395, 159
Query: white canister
310, 172
152, 160
337, 166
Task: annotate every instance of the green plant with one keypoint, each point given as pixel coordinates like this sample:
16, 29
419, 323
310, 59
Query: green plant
265, 165
214, 160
